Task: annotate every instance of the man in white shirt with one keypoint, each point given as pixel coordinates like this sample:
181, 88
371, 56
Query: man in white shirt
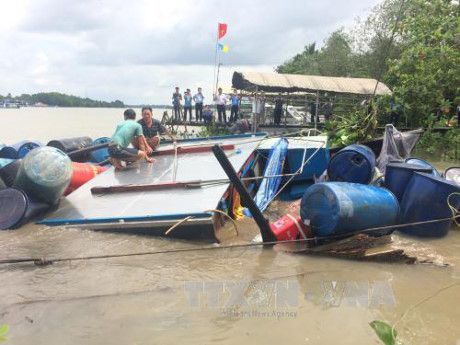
221, 100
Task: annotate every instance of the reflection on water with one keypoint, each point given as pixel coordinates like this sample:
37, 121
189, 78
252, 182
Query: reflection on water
239, 295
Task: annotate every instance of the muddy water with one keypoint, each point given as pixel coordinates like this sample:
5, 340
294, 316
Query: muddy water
228, 296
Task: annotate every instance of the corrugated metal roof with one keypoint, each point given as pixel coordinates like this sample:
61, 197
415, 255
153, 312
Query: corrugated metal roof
276, 82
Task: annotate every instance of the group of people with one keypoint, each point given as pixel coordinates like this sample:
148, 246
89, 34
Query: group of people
144, 135
204, 113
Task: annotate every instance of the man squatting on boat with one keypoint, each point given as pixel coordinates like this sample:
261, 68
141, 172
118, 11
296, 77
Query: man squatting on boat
128, 131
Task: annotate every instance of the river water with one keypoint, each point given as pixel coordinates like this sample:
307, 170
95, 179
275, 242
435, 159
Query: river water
226, 296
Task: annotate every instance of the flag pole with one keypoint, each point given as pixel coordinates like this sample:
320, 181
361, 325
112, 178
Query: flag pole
215, 57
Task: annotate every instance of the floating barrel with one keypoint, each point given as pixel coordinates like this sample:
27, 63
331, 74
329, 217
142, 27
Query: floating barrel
453, 174
354, 163
398, 175
423, 163
9, 169
44, 174
425, 199
16, 208
101, 155
73, 144
82, 173
338, 208
18, 150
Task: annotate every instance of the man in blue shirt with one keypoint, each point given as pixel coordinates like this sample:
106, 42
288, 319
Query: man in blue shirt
187, 104
198, 99
236, 101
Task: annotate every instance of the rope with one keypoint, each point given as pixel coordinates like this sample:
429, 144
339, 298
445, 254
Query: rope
455, 212
43, 261
235, 226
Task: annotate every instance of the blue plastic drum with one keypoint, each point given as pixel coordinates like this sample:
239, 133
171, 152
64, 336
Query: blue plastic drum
18, 150
101, 155
338, 208
426, 199
423, 163
354, 163
398, 175
9, 169
16, 208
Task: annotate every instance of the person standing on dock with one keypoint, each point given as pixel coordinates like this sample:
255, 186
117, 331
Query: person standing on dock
278, 111
187, 104
152, 128
221, 100
126, 132
198, 98
176, 99
236, 101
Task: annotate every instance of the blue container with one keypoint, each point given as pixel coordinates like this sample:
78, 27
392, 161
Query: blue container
398, 175
9, 170
44, 174
8, 152
423, 163
425, 199
354, 163
16, 208
338, 208
101, 155
18, 150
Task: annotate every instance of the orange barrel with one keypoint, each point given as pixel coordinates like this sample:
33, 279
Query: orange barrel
290, 227
82, 173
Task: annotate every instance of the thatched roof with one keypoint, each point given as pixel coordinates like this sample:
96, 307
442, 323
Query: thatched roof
276, 82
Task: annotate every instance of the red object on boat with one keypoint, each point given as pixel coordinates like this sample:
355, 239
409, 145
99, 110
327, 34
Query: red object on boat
290, 227
82, 173
191, 149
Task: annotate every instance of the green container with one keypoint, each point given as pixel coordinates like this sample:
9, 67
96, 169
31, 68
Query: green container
44, 174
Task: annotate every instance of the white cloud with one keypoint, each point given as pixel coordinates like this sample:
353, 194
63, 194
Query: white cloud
138, 51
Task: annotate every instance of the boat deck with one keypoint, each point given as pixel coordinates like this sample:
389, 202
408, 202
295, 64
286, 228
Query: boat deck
155, 211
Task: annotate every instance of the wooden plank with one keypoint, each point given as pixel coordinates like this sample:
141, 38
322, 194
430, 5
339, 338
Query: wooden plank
191, 149
145, 187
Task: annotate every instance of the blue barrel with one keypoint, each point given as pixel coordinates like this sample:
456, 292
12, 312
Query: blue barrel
8, 152
16, 208
426, 199
44, 174
18, 150
338, 208
398, 175
9, 169
101, 155
423, 163
354, 163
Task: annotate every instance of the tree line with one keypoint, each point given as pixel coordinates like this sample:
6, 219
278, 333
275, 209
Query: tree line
413, 46
61, 100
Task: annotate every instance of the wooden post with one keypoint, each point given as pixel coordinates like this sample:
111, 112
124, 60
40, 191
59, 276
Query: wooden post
262, 222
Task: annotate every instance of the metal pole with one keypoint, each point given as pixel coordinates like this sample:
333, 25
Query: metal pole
262, 222
254, 112
316, 109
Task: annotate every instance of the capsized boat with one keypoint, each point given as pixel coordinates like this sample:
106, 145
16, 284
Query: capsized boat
183, 192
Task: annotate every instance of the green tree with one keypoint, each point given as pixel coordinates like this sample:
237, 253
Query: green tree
426, 75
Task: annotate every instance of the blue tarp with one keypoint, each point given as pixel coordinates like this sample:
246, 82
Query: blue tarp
269, 186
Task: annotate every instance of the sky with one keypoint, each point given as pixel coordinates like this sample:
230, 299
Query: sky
138, 50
